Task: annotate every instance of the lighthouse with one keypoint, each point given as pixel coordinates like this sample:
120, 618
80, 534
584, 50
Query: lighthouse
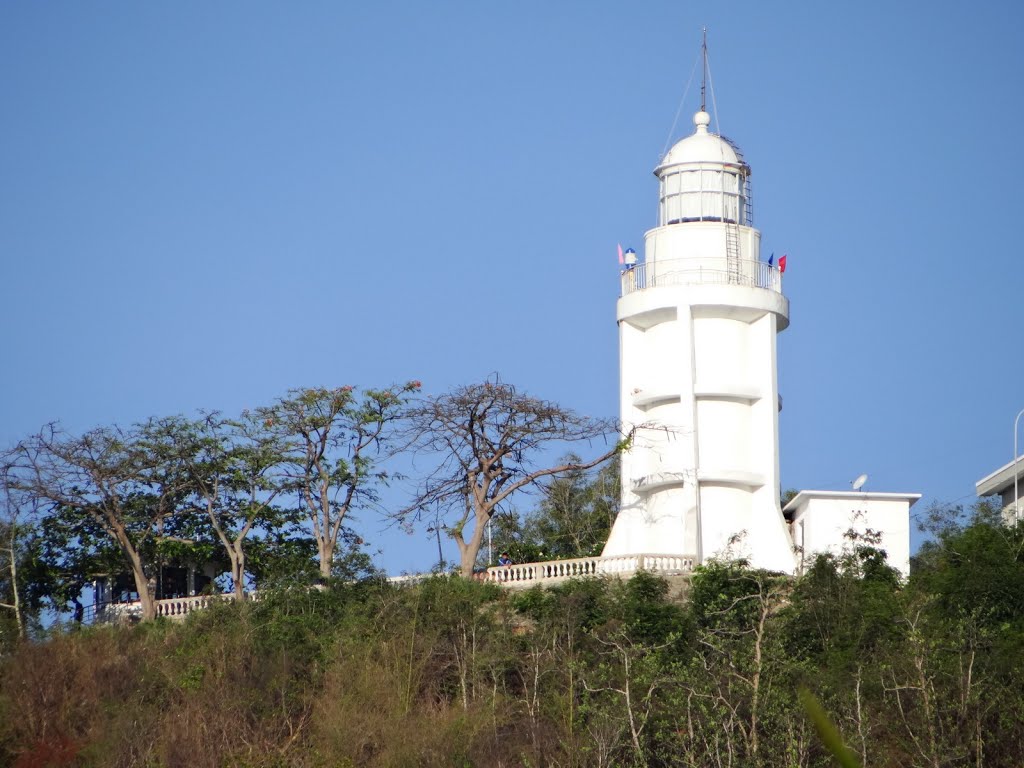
698, 319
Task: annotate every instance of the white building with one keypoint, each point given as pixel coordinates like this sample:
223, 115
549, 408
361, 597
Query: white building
834, 522
1005, 482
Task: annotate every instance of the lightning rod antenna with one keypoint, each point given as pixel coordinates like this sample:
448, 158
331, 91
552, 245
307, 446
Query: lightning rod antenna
704, 54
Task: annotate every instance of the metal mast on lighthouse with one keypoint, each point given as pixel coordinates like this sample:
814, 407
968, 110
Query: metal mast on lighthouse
698, 320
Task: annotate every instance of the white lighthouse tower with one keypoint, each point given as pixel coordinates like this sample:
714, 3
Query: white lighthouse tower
698, 320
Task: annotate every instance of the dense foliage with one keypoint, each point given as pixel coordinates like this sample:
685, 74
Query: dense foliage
258, 496
705, 671
177, 506
573, 518
332, 666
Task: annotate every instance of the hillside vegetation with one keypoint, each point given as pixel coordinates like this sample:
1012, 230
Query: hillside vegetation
594, 673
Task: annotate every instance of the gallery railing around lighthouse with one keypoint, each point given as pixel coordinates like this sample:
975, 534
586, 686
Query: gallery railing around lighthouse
711, 270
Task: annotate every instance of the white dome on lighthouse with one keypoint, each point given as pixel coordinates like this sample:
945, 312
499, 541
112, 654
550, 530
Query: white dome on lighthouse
700, 147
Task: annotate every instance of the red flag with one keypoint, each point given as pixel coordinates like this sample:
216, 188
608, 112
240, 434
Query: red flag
621, 260
782, 264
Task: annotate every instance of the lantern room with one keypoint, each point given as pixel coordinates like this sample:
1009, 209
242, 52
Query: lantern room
703, 178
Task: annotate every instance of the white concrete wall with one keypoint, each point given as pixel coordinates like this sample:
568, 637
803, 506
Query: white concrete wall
820, 524
656, 395
697, 239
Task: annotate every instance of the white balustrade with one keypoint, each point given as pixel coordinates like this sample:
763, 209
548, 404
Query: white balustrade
523, 574
179, 607
173, 608
554, 571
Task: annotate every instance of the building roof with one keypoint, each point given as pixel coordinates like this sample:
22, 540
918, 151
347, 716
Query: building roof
804, 496
701, 146
1001, 479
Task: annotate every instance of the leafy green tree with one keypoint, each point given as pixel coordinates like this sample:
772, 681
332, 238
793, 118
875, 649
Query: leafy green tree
842, 623
734, 609
283, 556
71, 550
626, 679
576, 512
18, 514
957, 681
235, 468
844, 608
976, 569
121, 485
573, 518
333, 440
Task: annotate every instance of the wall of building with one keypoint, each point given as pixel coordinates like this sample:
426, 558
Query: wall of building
820, 525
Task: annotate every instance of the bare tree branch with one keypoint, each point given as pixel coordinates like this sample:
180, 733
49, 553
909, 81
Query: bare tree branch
491, 441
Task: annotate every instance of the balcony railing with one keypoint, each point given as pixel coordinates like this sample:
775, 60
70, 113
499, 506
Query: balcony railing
173, 608
554, 571
703, 270
520, 575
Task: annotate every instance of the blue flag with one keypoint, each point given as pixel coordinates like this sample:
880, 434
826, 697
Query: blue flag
771, 259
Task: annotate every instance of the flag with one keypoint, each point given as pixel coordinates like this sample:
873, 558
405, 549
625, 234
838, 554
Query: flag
621, 260
782, 263
771, 259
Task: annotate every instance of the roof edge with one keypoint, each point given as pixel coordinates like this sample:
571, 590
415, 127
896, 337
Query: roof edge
802, 496
998, 480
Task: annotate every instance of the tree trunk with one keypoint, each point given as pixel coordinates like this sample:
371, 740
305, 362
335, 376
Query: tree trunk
468, 550
16, 605
755, 682
324, 531
145, 589
325, 548
237, 555
147, 594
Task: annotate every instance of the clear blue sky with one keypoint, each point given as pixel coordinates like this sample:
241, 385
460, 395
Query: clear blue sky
204, 204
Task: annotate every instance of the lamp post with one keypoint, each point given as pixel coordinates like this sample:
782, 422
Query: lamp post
1016, 497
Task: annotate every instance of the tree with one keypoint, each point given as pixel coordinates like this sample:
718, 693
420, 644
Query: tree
490, 441
975, 570
124, 485
577, 511
332, 439
733, 607
632, 674
232, 466
17, 511
572, 519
